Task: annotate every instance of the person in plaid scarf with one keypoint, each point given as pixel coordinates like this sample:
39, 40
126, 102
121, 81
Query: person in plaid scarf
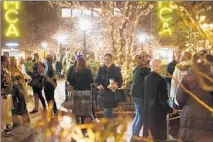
6, 123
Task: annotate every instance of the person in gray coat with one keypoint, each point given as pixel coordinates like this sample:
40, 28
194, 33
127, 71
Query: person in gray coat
196, 122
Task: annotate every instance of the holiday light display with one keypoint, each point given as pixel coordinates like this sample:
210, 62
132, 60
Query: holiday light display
10, 15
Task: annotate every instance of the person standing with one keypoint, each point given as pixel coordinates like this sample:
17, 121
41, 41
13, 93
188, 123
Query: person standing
6, 103
156, 107
170, 70
19, 95
109, 79
180, 70
59, 68
81, 81
36, 83
137, 90
50, 83
29, 65
196, 122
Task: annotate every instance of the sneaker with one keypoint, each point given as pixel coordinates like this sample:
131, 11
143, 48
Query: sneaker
7, 133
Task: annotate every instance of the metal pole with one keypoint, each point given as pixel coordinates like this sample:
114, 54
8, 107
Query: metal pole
84, 43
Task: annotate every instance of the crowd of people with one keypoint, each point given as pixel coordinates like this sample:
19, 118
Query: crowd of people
154, 95
15, 79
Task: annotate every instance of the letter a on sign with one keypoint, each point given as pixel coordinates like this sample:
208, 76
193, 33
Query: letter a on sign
12, 31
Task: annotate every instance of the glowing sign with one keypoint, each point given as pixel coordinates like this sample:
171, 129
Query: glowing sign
11, 11
165, 17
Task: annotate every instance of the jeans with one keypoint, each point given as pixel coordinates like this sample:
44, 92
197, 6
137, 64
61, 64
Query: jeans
138, 120
171, 102
108, 113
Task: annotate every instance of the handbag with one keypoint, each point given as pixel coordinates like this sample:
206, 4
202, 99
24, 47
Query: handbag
68, 103
120, 95
107, 99
82, 103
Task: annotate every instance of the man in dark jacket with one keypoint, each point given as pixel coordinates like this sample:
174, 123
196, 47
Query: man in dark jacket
109, 79
156, 107
50, 83
137, 90
171, 66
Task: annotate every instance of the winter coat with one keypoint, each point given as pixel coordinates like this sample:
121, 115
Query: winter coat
180, 71
105, 74
49, 72
196, 122
137, 88
103, 77
70, 73
156, 107
82, 80
170, 69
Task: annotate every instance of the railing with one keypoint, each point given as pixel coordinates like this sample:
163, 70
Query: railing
124, 106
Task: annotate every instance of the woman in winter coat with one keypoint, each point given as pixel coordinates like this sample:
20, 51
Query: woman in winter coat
196, 122
81, 80
180, 70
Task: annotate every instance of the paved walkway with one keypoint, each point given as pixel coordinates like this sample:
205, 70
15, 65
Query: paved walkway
29, 133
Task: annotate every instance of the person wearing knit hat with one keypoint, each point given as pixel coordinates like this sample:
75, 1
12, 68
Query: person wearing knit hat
136, 92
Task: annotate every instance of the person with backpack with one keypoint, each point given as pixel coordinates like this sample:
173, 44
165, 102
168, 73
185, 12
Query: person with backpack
36, 83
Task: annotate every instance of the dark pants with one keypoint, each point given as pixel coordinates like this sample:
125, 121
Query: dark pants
80, 119
49, 94
20, 107
38, 91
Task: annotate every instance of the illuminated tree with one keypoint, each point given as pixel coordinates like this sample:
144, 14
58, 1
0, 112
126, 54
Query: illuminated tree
118, 25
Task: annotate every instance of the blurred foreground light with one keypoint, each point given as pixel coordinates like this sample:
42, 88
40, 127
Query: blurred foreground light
66, 122
205, 26
84, 24
211, 26
202, 18
12, 44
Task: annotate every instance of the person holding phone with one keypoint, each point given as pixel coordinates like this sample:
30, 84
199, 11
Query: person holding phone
109, 79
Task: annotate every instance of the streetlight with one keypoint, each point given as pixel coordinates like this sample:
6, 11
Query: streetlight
84, 25
142, 38
61, 39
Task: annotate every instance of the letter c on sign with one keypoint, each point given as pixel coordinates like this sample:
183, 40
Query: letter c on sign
8, 18
165, 10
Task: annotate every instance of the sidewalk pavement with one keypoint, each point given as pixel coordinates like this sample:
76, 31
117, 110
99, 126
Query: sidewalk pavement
28, 133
